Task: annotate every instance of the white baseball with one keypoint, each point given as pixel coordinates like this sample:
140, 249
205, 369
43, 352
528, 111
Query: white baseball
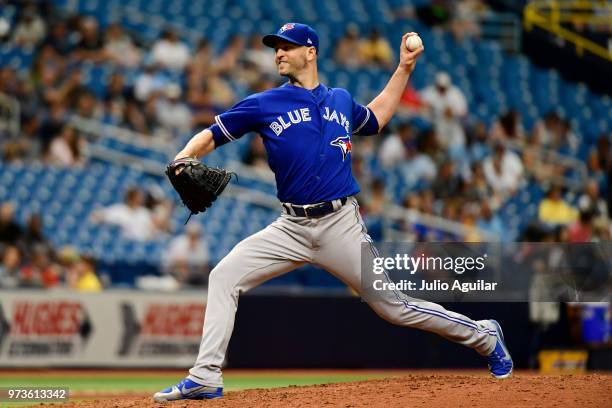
413, 42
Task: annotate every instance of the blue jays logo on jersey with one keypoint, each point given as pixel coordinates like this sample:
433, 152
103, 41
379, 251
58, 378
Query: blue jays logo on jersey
345, 145
286, 27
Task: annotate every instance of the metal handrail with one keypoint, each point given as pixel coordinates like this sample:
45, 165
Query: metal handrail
412, 216
535, 15
545, 155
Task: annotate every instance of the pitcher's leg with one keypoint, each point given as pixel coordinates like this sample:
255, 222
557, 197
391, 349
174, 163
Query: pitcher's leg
260, 257
341, 255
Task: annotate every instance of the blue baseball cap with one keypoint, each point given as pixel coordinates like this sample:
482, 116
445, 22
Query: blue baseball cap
295, 33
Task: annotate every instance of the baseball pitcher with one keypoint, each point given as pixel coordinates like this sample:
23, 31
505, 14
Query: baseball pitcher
307, 128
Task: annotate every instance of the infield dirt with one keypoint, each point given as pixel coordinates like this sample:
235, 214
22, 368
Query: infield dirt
416, 390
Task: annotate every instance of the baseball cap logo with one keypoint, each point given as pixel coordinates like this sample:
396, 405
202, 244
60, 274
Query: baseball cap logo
286, 27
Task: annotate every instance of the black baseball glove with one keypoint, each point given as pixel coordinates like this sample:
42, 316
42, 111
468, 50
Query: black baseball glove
197, 184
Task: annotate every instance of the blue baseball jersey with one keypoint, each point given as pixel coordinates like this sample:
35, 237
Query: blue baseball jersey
307, 135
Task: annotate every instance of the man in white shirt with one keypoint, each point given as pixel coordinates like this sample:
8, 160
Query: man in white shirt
187, 256
170, 52
447, 106
134, 219
503, 171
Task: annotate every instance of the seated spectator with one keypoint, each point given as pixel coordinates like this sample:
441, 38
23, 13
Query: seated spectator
187, 257
119, 47
257, 156
201, 62
172, 113
447, 107
420, 164
591, 200
411, 103
59, 38
79, 271
554, 210
41, 271
509, 126
475, 186
67, 149
150, 81
503, 171
30, 30
170, 52
447, 184
10, 267
464, 19
347, 49
228, 60
134, 219
90, 45
33, 235
582, 229
547, 132
261, 57
394, 147
375, 50
10, 230
490, 222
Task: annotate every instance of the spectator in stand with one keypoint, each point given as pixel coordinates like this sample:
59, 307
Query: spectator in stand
41, 271
447, 184
172, 113
201, 62
90, 45
187, 257
394, 147
256, 156
88, 107
509, 126
60, 39
261, 57
582, 229
228, 60
79, 271
490, 222
220, 91
31, 28
411, 103
134, 219
10, 230
133, 117
554, 210
149, 82
547, 132
119, 47
375, 50
475, 186
170, 52
420, 164
67, 149
591, 200
33, 235
447, 107
115, 100
346, 48
10, 267
503, 171
464, 20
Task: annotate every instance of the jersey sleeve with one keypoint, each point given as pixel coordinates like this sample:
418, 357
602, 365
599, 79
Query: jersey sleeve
364, 121
240, 119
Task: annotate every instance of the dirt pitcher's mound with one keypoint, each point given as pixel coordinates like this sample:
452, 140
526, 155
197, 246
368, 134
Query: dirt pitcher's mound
417, 390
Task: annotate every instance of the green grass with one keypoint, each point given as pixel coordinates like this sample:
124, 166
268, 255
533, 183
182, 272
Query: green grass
153, 382
149, 383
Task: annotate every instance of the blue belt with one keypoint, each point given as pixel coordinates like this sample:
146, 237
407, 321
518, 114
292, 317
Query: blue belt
314, 210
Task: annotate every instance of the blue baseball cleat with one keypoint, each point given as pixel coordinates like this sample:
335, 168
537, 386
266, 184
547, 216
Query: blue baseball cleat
187, 389
500, 362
